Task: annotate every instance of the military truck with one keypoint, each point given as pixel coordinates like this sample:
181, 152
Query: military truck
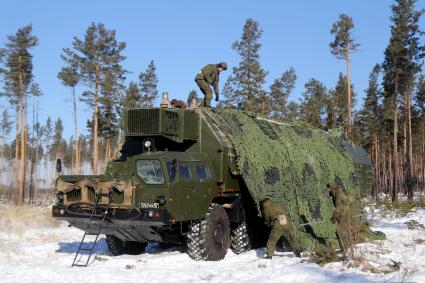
197, 176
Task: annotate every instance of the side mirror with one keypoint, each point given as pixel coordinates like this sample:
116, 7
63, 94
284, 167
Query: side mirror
58, 165
173, 170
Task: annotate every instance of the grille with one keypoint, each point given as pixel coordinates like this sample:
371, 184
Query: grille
142, 121
91, 194
74, 195
118, 196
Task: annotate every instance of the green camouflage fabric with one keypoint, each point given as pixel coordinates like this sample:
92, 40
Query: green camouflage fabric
292, 164
271, 210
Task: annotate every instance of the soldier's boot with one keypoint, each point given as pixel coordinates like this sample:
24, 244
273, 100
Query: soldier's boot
293, 244
275, 234
268, 257
208, 98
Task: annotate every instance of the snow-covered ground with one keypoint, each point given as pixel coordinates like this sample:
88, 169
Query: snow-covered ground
32, 253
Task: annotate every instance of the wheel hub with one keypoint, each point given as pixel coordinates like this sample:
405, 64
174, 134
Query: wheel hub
218, 233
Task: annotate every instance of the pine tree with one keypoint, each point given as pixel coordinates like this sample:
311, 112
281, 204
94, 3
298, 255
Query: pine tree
369, 121
249, 76
95, 55
47, 134
111, 107
132, 96
57, 148
2, 70
228, 94
18, 78
420, 96
6, 126
372, 110
148, 86
313, 105
401, 64
193, 96
293, 112
69, 77
5, 130
280, 90
420, 126
337, 105
342, 46
35, 91
264, 104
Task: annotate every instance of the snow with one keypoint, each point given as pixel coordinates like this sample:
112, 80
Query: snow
45, 254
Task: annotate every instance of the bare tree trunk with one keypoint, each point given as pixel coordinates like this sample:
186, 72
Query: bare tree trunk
37, 155
384, 179
409, 155
350, 120
77, 155
15, 192
107, 153
31, 157
395, 143
390, 173
423, 159
95, 123
376, 168
22, 168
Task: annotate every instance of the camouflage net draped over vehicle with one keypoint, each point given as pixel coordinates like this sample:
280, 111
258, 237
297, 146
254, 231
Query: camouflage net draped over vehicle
292, 164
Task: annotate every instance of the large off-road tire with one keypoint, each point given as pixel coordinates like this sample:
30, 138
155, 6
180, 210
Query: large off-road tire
119, 247
209, 239
240, 239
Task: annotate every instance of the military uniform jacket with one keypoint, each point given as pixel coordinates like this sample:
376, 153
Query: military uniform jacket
210, 74
271, 211
341, 205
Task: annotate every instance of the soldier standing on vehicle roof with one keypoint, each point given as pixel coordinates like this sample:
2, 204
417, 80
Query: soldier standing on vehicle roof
209, 76
277, 217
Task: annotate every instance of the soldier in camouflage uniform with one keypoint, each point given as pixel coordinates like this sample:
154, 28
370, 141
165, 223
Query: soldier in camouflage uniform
277, 217
209, 76
341, 216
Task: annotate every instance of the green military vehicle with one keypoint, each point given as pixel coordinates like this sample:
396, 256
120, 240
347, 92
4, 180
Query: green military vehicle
197, 175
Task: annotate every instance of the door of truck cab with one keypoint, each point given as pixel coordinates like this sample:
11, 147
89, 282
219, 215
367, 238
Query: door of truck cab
155, 185
192, 190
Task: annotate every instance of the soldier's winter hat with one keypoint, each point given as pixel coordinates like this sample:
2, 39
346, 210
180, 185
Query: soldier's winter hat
222, 65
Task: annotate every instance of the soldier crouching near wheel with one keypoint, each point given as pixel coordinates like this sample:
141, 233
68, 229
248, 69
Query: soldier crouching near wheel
276, 216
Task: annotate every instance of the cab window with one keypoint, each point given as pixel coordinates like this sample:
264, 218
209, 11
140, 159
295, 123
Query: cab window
171, 177
150, 172
184, 173
201, 171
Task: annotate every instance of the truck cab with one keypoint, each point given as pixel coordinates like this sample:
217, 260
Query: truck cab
171, 170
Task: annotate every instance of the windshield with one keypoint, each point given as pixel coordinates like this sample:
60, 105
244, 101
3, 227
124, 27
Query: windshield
150, 171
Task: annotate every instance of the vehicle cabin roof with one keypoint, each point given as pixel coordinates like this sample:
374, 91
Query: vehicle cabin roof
180, 156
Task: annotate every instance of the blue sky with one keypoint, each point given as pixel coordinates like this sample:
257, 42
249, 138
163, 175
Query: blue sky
182, 36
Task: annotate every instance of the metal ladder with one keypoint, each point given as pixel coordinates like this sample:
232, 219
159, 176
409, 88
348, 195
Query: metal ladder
90, 248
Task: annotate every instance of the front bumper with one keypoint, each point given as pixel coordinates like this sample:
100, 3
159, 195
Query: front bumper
126, 224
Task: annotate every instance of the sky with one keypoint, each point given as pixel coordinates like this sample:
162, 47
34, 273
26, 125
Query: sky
182, 36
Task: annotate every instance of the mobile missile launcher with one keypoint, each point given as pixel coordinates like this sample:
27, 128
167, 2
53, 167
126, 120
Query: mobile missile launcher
197, 176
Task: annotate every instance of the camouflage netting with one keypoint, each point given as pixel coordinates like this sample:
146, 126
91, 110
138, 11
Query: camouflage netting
292, 164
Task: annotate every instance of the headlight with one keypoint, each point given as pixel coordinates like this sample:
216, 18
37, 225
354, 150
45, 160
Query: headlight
154, 214
148, 144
